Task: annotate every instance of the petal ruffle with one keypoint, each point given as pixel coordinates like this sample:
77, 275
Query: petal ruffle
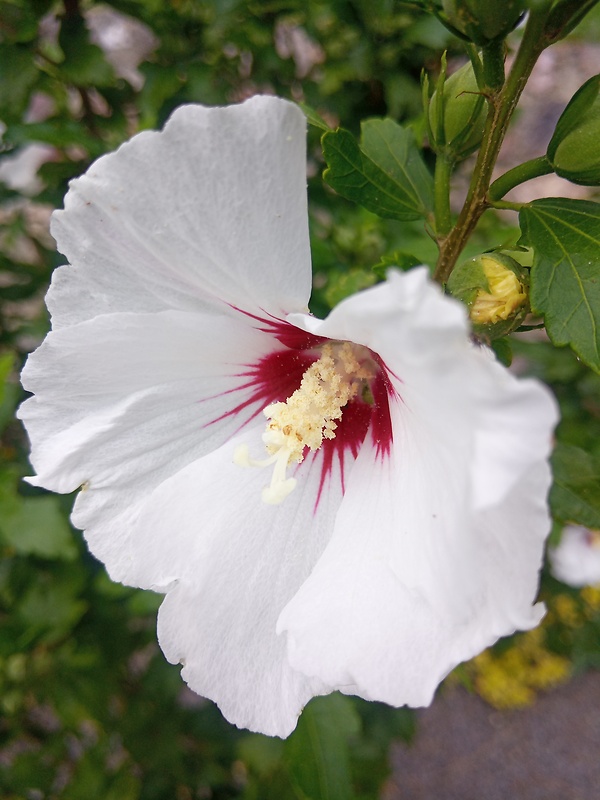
211, 209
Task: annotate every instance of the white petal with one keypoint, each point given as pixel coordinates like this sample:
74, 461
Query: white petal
211, 209
576, 559
231, 563
409, 563
514, 421
364, 624
125, 400
504, 424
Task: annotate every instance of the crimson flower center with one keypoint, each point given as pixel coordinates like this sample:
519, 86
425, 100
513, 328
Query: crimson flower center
311, 414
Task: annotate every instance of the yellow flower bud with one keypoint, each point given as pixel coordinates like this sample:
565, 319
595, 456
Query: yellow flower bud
505, 296
494, 288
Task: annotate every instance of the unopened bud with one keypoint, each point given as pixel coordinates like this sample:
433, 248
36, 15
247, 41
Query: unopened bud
494, 288
481, 21
573, 150
457, 114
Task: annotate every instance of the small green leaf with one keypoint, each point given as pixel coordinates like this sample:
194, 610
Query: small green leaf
565, 275
318, 752
314, 118
398, 259
39, 528
33, 525
575, 495
503, 351
384, 173
342, 285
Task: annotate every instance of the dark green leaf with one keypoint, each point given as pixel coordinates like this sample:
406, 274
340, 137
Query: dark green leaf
565, 276
575, 495
318, 752
384, 173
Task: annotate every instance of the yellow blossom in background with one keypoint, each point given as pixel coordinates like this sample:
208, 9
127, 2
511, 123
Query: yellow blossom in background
567, 610
511, 679
591, 598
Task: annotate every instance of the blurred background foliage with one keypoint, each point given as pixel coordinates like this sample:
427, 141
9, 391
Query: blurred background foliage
88, 705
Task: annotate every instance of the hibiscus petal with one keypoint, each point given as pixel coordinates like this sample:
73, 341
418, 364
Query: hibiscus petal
359, 624
211, 209
424, 556
125, 400
230, 564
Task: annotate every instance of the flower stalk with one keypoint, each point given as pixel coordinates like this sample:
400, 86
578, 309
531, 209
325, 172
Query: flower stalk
441, 195
518, 175
502, 103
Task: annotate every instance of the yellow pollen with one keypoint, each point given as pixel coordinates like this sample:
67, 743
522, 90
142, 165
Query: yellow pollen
309, 415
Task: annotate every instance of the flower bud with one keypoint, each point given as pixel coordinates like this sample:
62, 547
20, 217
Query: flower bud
573, 150
494, 288
457, 114
481, 21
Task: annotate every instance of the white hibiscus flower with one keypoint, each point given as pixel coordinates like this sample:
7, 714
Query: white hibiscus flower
576, 559
407, 540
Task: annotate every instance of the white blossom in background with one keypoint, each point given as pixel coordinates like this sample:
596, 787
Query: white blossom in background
126, 41
20, 171
576, 559
355, 504
292, 41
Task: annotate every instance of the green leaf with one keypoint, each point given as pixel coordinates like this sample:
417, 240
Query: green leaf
38, 527
565, 275
503, 350
50, 607
314, 118
318, 752
398, 260
347, 283
33, 525
384, 173
575, 495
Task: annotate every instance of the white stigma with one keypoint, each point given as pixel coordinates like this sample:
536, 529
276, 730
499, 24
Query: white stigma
309, 415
